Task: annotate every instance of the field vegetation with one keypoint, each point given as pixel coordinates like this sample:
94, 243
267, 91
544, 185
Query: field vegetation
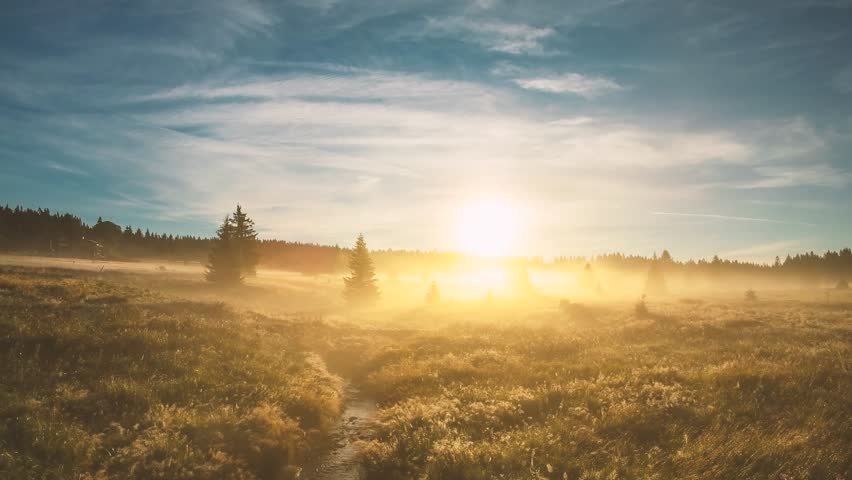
103, 380
129, 375
725, 391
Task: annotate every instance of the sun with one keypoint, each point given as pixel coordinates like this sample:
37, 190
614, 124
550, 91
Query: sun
487, 226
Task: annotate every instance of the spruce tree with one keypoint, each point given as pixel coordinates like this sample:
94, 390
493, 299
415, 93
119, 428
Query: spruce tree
360, 286
433, 296
245, 239
587, 280
655, 284
223, 265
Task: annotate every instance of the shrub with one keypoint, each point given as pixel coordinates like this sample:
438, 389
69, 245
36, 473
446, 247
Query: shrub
641, 309
433, 296
655, 283
750, 295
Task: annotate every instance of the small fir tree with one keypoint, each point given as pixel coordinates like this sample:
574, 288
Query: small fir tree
641, 308
223, 265
360, 287
521, 284
587, 281
655, 284
433, 296
245, 239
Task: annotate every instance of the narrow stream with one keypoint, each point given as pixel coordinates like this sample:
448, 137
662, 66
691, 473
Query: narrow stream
339, 460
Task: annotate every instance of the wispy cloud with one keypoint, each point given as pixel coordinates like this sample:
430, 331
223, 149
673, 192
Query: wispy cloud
787, 138
717, 30
65, 168
512, 38
728, 217
574, 83
340, 84
761, 250
420, 113
778, 176
613, 142
365, 141
793, 203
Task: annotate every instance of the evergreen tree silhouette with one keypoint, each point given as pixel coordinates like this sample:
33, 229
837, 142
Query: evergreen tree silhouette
245, 239
656, 281
223, 265
520, 283
433, 296
587, 280
360, 286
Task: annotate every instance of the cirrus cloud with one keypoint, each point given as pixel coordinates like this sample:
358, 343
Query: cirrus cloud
574, 83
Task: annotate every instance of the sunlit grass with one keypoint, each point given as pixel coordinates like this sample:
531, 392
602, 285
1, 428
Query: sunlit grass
103, 380
725, 391
112, 373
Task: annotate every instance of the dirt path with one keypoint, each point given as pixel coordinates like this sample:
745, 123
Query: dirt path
339, 460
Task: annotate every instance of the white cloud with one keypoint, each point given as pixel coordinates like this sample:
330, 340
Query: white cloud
575, 83
381, 146
65, 168
780, 248
716, 30
444, 136
816, 175
513, 38
343, 85
620, 143
793, 203
787, 138
397, 146
715, 216
243, 17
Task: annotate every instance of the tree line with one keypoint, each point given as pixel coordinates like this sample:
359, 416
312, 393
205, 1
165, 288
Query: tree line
831, 264
41, 231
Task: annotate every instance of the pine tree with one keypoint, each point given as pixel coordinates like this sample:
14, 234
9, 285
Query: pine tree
223, 265
520, 283
587, 280
655, 284
245, 239
360, 287
433, 296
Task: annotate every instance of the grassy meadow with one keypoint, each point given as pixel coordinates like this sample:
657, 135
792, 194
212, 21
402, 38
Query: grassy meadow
720, 391
104, 380
155, 374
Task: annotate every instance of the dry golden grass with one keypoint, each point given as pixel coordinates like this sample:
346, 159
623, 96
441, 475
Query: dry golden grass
103, 380
115, 374
730, 390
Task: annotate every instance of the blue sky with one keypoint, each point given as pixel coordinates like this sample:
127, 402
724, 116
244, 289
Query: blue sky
703, 127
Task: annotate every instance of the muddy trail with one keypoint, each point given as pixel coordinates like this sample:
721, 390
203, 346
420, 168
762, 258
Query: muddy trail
338, 459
